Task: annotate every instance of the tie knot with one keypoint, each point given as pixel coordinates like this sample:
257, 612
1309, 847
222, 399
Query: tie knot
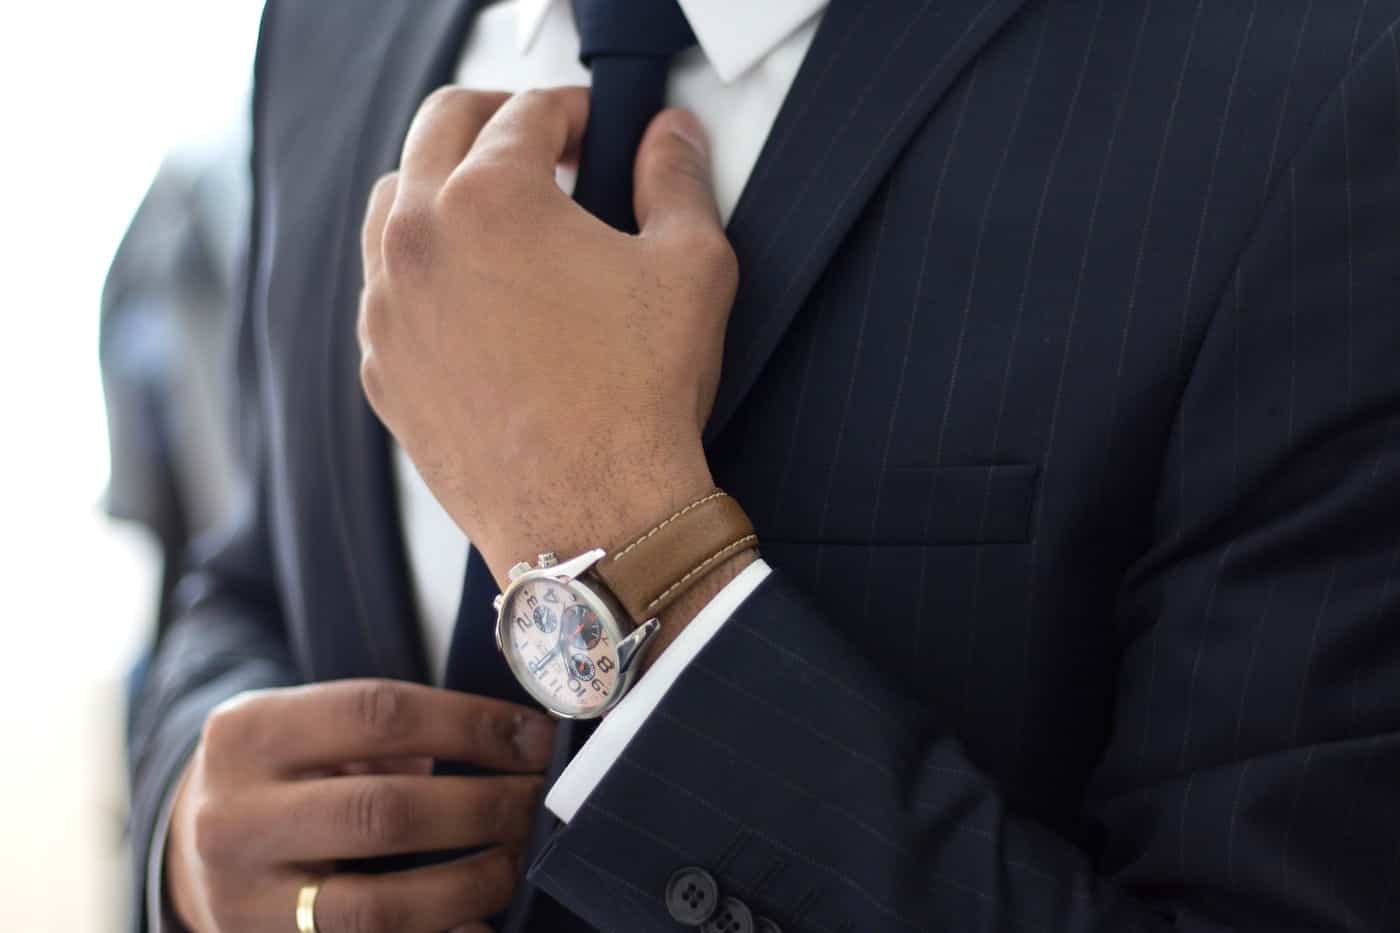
631, 28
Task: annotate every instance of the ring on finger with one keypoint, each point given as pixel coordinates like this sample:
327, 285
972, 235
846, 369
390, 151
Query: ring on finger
306, 906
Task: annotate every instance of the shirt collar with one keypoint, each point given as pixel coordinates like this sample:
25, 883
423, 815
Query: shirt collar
735, 35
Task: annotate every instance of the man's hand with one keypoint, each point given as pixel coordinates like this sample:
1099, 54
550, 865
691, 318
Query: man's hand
549, 375
285, 783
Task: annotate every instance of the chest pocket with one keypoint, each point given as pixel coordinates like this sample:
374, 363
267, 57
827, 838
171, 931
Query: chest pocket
910, 507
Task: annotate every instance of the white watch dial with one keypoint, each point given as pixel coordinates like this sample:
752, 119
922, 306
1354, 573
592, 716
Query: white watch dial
561, 646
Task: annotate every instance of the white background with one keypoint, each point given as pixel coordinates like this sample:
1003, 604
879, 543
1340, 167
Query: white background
92, 94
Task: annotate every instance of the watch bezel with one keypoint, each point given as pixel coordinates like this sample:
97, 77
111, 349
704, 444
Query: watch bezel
609, 612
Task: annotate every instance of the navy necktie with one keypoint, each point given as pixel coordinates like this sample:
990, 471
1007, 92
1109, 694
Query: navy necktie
628, 46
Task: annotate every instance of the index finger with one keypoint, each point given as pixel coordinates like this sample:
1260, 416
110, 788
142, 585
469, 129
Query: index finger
323, 725
533, 131
443, 131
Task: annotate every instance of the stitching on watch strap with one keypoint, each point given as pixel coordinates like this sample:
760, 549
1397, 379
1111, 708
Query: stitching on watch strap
694, 505
727, 551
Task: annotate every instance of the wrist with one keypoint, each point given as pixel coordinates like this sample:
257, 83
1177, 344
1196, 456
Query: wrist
615, 611
572, 520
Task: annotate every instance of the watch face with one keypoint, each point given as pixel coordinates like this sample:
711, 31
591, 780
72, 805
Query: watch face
562, 645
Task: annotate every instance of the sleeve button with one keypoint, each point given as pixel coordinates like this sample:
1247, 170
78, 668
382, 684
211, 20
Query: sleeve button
692, 896
733, 916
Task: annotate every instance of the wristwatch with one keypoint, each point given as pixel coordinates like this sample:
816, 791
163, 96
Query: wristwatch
573, 631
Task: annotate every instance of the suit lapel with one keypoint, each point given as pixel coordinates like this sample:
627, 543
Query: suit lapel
874, 71
427, 37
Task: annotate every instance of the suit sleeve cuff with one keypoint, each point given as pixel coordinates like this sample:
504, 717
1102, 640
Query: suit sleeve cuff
607, 743
159, 917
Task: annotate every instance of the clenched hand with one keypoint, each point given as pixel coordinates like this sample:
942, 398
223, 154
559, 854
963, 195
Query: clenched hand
549, 375
287, 782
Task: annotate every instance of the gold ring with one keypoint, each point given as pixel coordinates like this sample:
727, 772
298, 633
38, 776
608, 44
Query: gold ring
306, 907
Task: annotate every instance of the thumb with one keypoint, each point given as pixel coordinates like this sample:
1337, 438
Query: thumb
672, 185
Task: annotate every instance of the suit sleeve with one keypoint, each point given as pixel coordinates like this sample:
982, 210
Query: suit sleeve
790, 769
227, 633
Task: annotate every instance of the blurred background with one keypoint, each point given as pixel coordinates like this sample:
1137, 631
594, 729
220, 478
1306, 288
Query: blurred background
96, 98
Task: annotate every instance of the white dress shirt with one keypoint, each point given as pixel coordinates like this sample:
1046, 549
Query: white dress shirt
735, 81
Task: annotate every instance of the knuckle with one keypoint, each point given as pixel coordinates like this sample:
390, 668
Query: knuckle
408, 239
454, 101
371, 381
220, 728
453, 110
214, 832
375, 318
483, 188
709, 249
444, 97
382, 710
384, 188
239, 729
227, 729
380, 814
494, 735
544, 101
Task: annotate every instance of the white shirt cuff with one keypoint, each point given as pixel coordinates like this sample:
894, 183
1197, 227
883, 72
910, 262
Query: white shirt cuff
606, 744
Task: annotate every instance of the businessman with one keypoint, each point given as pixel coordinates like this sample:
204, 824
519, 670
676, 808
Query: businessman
951, 447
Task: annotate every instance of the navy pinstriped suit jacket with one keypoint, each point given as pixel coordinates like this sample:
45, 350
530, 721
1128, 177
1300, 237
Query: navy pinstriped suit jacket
1063, 385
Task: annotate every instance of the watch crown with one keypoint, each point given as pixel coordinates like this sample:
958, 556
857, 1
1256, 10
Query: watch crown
496, 603
548, 559
518, 569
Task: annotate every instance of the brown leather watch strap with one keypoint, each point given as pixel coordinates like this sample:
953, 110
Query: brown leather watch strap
653, 570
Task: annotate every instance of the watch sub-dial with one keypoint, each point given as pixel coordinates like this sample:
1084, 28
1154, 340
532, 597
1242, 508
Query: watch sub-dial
545, 619
581, 627
581, 666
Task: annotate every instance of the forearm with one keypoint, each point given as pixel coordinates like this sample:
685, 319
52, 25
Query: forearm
796, 773
856, 816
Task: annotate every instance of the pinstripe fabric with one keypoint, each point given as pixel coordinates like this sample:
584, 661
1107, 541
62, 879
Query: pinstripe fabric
1062, 387
1123, 257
